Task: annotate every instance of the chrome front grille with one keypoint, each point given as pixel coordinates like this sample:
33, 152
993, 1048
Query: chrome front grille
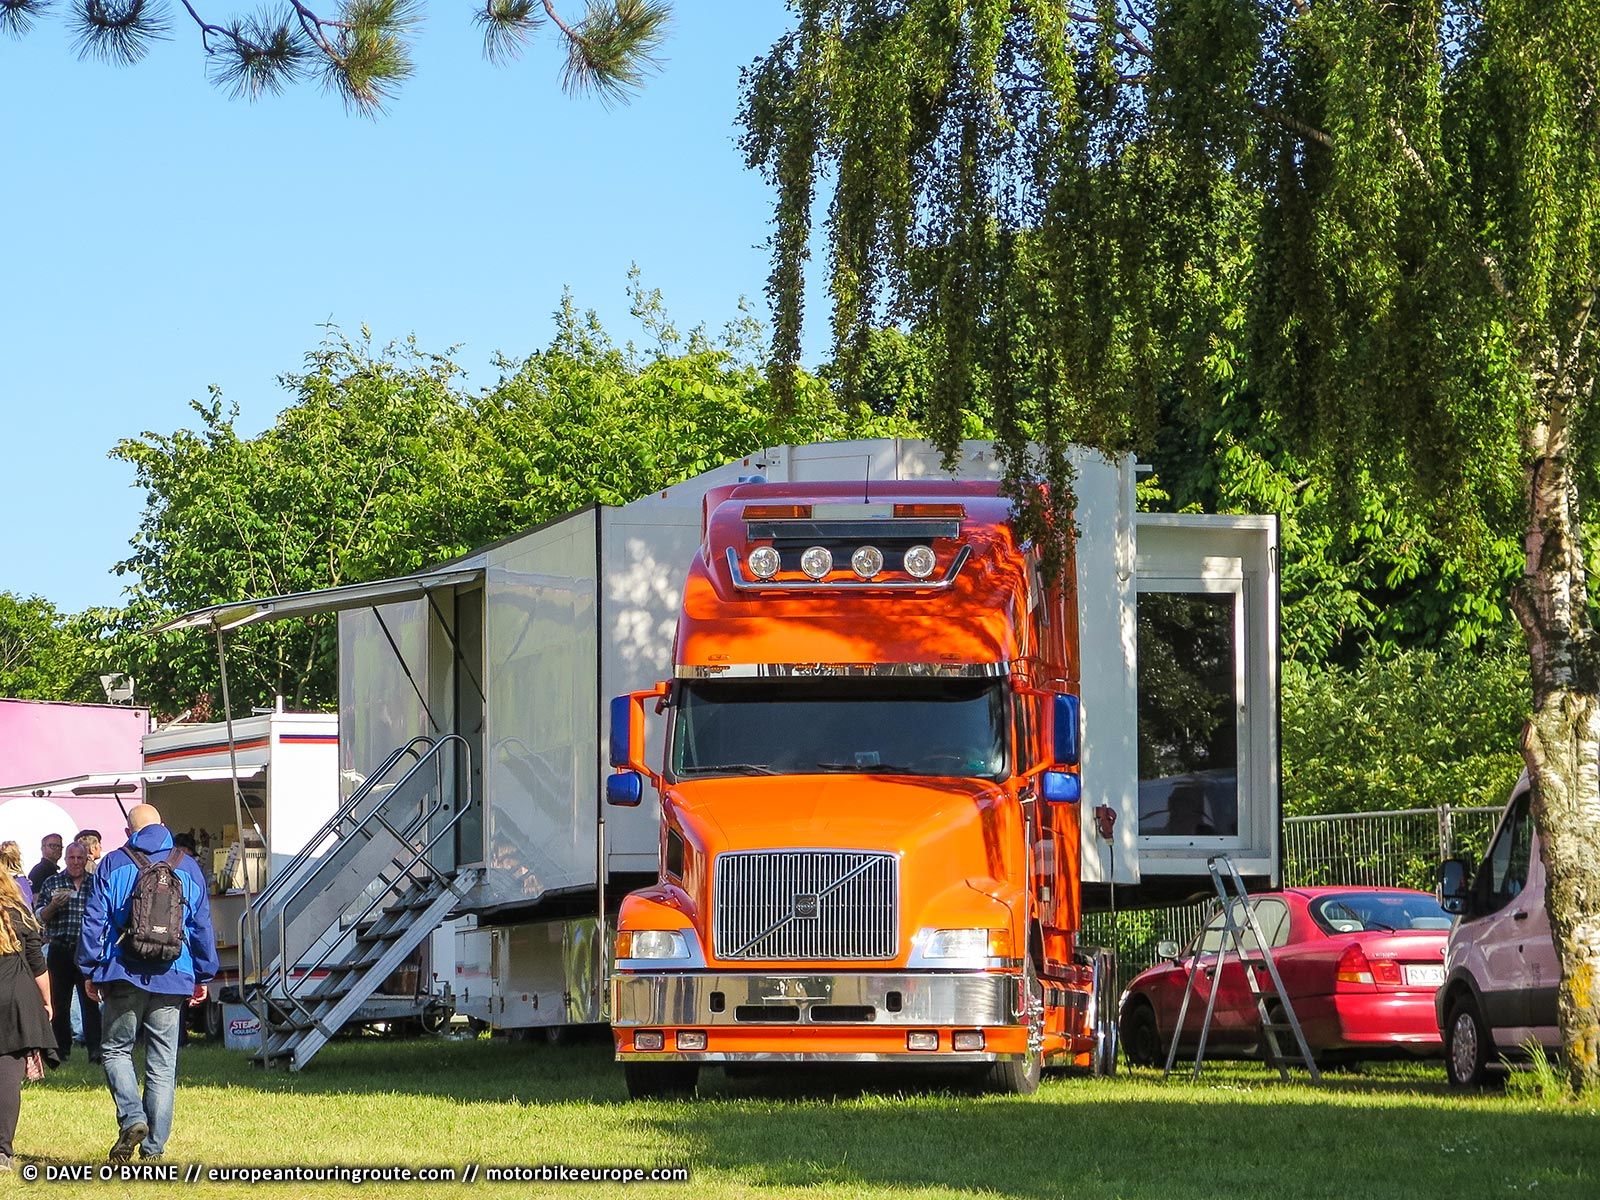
805, 905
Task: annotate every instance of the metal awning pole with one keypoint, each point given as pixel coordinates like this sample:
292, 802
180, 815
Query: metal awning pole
238, 824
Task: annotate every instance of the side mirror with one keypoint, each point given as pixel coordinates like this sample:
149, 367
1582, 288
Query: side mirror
1452, 884
1167, 951
622, 710
1067, 741
1060, 787
625, 789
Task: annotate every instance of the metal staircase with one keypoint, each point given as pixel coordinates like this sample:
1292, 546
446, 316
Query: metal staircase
331, 927
1274, 1011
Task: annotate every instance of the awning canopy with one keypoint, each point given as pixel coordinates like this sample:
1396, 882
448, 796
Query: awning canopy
238, 613
111, 783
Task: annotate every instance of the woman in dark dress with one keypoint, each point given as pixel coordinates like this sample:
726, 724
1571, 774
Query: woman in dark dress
24, 1007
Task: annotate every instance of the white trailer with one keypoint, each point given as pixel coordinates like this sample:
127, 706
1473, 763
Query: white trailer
499, 666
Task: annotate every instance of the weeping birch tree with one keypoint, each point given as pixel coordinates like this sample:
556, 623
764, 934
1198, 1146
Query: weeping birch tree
1382, 218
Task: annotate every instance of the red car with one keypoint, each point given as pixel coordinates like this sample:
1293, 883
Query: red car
1360, 965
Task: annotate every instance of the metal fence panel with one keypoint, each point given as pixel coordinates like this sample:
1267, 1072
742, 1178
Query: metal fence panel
1400, 848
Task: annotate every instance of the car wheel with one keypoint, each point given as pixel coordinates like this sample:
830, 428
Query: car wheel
1466, 1045
1141, 1040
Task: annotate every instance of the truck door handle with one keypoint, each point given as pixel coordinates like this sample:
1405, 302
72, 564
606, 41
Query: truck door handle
1210, 971
1520, 916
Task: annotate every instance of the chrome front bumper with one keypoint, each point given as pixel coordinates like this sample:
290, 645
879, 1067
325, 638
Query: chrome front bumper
971, 999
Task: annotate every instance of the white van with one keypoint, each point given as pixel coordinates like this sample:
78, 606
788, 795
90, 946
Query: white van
1501, 970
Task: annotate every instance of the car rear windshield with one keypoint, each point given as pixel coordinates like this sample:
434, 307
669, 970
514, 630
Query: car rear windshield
1382, 912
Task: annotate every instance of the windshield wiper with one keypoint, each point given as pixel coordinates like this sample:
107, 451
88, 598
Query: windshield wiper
868, 768
730, 769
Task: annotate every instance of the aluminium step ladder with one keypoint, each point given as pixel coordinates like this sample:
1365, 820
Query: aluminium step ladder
330, 928
1274, 1012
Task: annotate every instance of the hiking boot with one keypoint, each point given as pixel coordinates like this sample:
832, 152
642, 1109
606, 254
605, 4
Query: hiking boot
128, 1141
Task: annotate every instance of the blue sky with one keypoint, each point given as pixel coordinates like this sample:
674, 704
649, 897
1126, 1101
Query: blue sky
162, 238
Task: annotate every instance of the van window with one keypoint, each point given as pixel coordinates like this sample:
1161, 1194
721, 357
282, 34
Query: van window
1504, 872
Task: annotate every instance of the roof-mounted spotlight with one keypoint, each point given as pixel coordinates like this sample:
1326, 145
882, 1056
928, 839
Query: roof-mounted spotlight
817, 561
764, 562
867, 561
920, 561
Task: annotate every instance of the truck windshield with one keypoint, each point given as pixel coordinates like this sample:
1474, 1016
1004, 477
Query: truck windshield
937, 727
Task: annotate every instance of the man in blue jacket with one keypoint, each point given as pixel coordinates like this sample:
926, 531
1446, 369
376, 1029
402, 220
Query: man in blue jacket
139, 996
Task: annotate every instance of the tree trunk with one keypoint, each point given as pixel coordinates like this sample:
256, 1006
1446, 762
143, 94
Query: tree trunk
1561, 743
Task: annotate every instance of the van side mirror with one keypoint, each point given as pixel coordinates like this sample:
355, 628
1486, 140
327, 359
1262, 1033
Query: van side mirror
625, 789
1452, 885
1167, 951
1067, 738
1060, 787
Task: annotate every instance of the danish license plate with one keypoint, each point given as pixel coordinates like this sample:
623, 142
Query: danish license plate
1426, 975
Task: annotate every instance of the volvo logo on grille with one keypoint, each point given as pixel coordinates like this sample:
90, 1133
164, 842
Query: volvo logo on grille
807, 905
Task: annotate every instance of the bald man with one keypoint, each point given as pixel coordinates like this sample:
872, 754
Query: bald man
143, 999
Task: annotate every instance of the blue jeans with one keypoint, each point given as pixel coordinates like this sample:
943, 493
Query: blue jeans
127, 1016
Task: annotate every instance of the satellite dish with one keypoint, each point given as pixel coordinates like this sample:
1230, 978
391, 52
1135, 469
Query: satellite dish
118, 687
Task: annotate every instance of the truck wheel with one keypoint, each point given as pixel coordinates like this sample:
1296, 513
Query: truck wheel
1103, 1002
1141, 1040
1466, 1045
1020, 1076
213, 1020
660, 1080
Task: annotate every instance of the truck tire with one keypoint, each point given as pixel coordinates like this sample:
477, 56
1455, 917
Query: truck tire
1104, 1005
1141, 1040
1020, 1076
660, 1080
213, 1019
1466, 1045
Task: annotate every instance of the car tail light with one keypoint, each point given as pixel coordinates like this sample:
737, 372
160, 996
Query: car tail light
1353, 966
1385, 970
946, 512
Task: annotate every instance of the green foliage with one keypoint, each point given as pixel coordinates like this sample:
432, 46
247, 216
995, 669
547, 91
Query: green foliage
46, 654
383, 464
1420, 729
362, 50
1348, 223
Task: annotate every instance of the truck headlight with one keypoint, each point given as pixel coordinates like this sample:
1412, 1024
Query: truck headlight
957, 943
651, 943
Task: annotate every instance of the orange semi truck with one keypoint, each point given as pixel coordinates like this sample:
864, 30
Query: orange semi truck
861, 819
871, 808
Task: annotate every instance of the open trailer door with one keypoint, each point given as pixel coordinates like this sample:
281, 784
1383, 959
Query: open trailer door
1206, 675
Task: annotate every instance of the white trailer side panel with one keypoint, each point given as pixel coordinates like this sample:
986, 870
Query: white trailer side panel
380, 708
541, 776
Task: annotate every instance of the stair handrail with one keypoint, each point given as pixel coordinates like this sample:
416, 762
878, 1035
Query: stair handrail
282, 970
282, 879
419, 854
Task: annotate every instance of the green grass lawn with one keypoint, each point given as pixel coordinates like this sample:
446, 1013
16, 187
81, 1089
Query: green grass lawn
1390, 1132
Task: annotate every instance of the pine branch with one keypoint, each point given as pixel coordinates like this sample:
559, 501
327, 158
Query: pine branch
117, 31
17, 16
506, 26
613, 48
